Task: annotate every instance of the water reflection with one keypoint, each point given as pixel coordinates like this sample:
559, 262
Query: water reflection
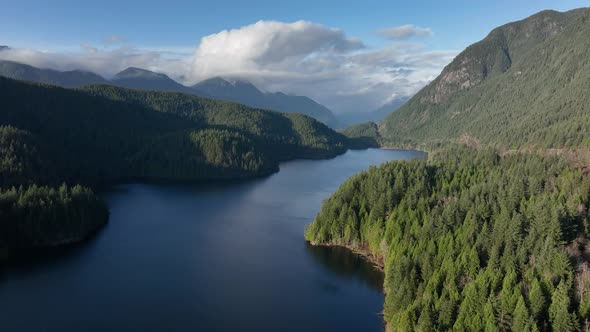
348, 264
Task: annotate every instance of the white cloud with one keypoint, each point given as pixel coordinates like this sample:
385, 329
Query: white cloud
404, 32
298, 58
317, 61
267, 44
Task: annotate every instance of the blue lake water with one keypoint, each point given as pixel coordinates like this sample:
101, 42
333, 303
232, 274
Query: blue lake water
205, 257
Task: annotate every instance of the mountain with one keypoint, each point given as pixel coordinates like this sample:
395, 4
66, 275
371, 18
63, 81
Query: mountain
525, 84
3, 47
93, 134
377, 115
73, 78
137, 78
246, 93
102, 134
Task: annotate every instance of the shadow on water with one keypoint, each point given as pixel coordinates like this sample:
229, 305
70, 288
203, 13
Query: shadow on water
345, 263
27, 260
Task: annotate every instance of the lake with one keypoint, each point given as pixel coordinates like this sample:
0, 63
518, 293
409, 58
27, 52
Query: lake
205, 257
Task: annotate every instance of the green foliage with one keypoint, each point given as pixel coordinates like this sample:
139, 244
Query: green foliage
362, 136
471, 241
525, 85
282, 135
45, 216
21, 162
204, 154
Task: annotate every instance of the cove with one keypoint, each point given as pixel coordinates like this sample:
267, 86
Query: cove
205, 257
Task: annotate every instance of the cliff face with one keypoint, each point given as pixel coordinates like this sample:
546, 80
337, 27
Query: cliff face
494, 54
524, 85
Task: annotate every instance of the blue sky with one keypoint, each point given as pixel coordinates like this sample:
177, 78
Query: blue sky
58, 23
52, 33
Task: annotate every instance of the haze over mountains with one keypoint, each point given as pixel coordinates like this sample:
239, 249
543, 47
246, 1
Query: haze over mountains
246, 93
377, 115
239, 91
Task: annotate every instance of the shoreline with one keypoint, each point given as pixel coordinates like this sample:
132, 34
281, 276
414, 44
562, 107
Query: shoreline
375, 261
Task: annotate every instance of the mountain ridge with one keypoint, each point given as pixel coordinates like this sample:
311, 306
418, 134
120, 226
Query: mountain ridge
530, 93
236, 90
246, 93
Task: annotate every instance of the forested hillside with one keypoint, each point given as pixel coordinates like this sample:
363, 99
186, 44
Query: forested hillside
362, 136
101, 134
470, 241
525, 85
281, 135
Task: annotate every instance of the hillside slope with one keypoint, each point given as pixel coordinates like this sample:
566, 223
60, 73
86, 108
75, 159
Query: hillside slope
525, 84
470, 241
101, 134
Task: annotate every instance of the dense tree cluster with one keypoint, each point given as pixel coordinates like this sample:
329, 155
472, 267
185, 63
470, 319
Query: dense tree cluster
44, 216
471, 241
282, 135
362, 136
21, 162
200, 154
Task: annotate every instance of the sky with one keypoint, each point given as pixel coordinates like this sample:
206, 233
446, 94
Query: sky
352, 56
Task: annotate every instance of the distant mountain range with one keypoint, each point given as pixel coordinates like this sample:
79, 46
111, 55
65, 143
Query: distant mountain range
239, 91
246, 93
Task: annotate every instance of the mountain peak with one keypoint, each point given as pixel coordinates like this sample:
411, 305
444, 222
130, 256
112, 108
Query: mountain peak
239, 82
134, 72
244, 92
221, 82
4, 47
214, 81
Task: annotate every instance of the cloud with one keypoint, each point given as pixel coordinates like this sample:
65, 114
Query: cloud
404, 32
267, 44
301, 58
317, 61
